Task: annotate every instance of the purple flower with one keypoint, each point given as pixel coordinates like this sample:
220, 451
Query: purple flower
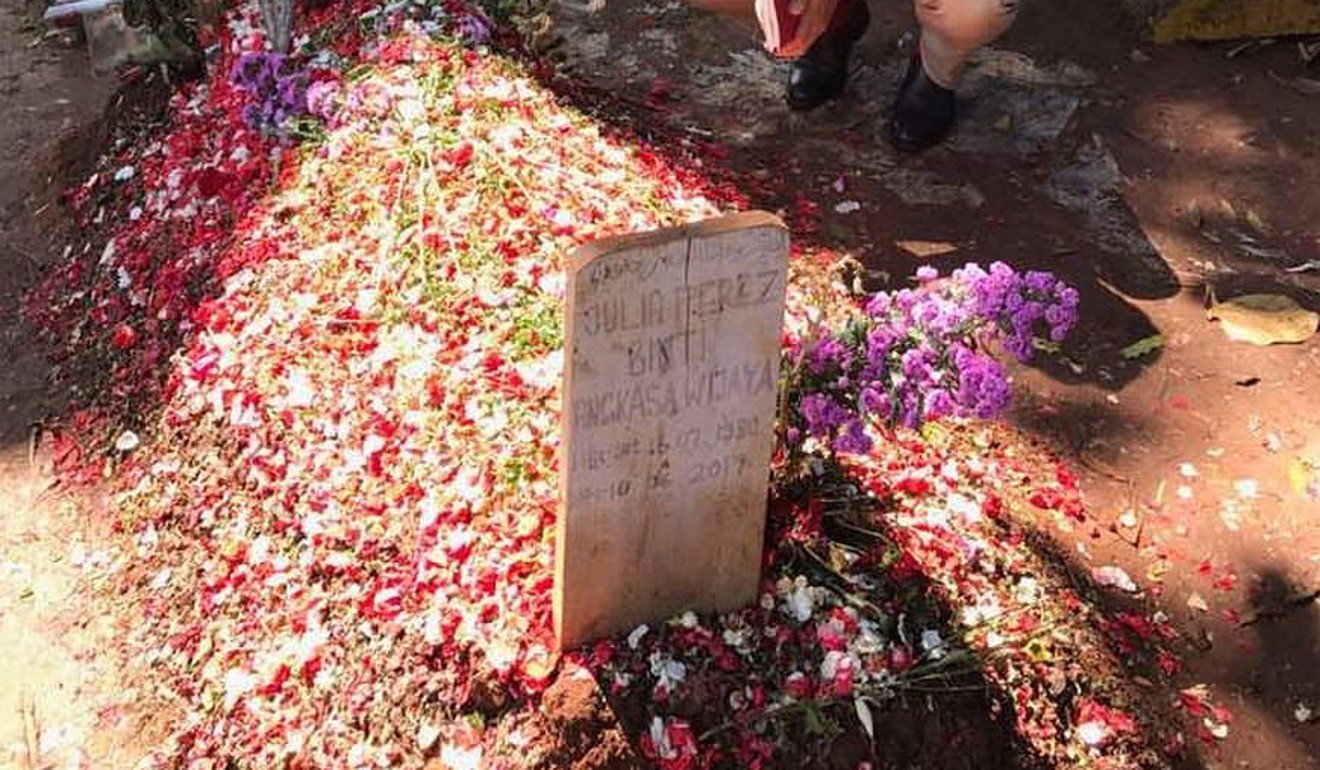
926, 274
916, 365
247, 70
909, 413
292, 91
983, 389
939, 403
828, 355
1020, 347
276, 87
474, 30
852, 439
822, 414
906, 299
878, 305
875, 402
921, 353
969, 274
1039, 282
878, 344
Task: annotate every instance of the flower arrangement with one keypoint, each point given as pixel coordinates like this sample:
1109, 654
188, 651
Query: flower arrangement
336, 522
276, 87
920, 354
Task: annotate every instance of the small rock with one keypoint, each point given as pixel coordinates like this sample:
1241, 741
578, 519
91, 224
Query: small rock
1114, 577
127, 441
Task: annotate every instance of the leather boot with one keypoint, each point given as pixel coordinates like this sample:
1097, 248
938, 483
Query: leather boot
820, 74
924, 111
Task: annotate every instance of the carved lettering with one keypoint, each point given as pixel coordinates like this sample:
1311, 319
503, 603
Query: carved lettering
672, 361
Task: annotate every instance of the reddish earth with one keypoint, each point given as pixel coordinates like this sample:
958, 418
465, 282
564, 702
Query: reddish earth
1113, 171
1148, 177
53, 680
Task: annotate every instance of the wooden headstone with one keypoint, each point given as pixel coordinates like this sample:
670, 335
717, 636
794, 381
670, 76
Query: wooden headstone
670, 390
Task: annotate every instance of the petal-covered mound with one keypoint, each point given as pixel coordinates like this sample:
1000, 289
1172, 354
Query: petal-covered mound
356, 485
341, 518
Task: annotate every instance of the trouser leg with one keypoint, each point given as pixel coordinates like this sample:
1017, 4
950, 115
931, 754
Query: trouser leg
746, 10
952, 29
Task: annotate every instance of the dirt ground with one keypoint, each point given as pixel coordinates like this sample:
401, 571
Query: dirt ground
1146, 176
57, 698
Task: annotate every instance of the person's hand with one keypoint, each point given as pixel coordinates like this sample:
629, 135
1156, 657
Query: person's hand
815, 19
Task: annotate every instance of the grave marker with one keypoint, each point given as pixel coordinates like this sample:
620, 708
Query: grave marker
670, 388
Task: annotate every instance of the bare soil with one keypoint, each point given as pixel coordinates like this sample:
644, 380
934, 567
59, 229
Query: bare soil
1145, 176
60, 704
1150, 178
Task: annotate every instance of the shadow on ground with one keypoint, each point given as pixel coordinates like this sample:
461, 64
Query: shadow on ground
1142, 176
1016, 183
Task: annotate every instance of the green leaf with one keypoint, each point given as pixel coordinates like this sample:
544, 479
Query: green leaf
1264, 319
815, 723
1143, 347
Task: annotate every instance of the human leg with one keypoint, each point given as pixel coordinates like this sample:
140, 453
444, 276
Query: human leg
951, 30
820, 74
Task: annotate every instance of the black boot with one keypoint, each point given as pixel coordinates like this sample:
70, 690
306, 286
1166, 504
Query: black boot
820, 74
924, 111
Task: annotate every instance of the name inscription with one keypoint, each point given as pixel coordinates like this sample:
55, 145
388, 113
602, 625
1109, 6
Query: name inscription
669, 371
673, 350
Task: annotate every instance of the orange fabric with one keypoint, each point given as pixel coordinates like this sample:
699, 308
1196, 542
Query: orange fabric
779, 20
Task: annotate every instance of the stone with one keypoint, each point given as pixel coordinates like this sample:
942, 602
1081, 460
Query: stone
670, 390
